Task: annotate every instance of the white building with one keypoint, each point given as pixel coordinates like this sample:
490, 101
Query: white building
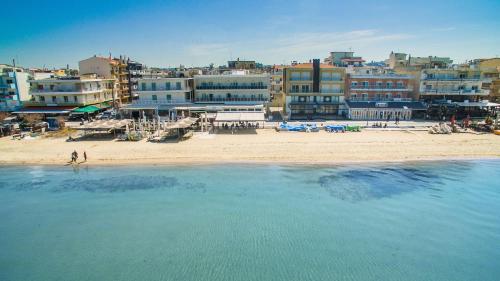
164, 91
248, 89
71, 91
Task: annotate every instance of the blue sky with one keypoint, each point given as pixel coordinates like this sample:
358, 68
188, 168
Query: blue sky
168, 33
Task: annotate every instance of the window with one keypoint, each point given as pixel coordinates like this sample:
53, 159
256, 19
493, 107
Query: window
400, 85
54, 99
389, 84
51, 87
187, 96
42, 98
169, 97
388, 96
40, 87
154, 97
167, 85
143, 86
354, 96
153, 86
364, 96
295, 88
178, 85
365, 84
65, 98
354, 84
75, 98
379, 84
305, 88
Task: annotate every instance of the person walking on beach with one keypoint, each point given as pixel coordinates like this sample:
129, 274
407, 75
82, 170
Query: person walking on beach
75, 155
85, 156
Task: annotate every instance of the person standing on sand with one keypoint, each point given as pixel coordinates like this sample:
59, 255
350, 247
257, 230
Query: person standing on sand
84, 156
75, 155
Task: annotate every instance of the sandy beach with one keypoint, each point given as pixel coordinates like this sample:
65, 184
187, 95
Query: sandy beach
264, 146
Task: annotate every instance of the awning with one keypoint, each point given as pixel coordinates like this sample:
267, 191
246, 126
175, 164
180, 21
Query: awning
104, 125
477, 104
239, 116
87, 109
182, 124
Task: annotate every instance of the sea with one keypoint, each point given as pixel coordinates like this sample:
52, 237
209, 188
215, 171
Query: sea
383, 221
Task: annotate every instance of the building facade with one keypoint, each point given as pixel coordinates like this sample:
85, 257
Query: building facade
379, 87
14, 87
109, 68
241, 64
383, 97
454, 85
344, 59
314, 90
246, 89
164, 91
70, 91
276, 86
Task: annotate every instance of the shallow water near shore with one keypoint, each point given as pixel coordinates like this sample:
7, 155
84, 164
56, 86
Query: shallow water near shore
420, 221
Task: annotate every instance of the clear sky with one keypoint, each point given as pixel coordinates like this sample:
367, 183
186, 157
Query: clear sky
168, 33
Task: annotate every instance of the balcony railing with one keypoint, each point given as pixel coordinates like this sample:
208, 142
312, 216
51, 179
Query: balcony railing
451, 79
300, 79
160, 101
334, 79
161, 89
230, 87
380, 99
455, 92
207, 99
380, 88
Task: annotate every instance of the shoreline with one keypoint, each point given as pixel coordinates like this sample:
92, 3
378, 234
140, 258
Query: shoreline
263, 147
101, 163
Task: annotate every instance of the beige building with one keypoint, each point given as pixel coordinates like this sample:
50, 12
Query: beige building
276, 86
109, 68
453, 85
314, 90
71, 91
490, 71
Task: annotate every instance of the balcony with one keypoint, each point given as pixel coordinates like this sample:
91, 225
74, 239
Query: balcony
380, 88
231, 100
380, 99
308, 79
160, 101
451, 79
455, 92
330, 79
232, 87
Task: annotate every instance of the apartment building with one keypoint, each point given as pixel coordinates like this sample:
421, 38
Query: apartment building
232, 89
397, 60
276, 86
314, 90
109, 68
71, 92
241, 64
382, 96
379, 87
164, 91
490, 72
344, 59
14, 87
453, 85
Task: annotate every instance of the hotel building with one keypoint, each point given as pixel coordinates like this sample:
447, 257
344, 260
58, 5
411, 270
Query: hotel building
232, 89
314, 90
382, 97
70, 92
109, 68
14, 87
453, 85
276, 86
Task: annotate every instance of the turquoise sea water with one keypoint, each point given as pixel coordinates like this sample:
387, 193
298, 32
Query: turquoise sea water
432, 221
